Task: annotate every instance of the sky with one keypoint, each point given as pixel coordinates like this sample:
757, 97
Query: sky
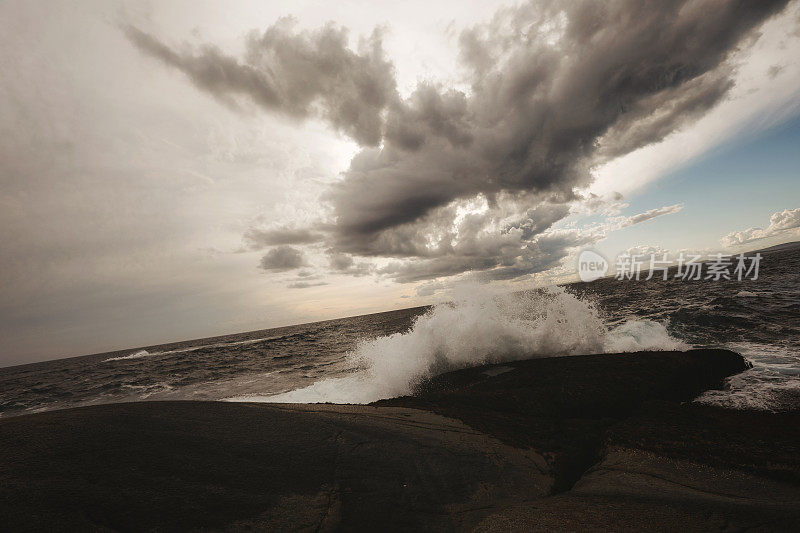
181, 169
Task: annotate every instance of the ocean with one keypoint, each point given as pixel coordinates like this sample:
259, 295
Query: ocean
366, 358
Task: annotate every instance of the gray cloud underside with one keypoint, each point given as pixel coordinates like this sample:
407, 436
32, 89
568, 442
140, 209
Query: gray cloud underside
295, 73
305, 284
258, 239
283, 258
555, 89
345, 264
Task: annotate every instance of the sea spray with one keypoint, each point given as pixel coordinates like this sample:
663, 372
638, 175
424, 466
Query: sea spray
638, 335
260, 364
135, 355
478, 326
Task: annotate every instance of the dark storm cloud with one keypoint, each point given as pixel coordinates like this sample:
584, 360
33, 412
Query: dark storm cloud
411, 271
294, 72
345, 264
341, 261
305, 284
554, 90
774, 70
545, 253
615, 76
258, 239
540, 218
661, 114
283, 258
525, 246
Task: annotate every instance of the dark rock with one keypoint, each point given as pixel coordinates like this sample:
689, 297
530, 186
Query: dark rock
602, 442
179, 466
564, 406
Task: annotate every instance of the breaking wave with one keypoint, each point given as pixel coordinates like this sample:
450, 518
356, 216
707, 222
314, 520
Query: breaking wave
135, 355
771, 384
144, 353
479, 327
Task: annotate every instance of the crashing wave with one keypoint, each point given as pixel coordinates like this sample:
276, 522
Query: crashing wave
479, 327
135, 355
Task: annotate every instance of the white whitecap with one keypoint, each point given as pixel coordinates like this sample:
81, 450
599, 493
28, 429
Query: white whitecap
135, 355
480, 327
747, 294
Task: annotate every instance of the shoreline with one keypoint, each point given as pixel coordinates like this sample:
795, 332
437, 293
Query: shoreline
568, 442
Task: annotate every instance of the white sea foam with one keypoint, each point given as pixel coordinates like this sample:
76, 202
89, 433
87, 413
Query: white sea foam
772, 383
638, 335
479, 327
224, 344
747, 294
135, 355
144, 353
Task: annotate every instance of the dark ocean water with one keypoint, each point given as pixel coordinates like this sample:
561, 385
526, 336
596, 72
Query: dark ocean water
364, 358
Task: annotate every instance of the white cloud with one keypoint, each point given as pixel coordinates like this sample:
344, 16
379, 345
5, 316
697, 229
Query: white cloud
779, 223
624, 222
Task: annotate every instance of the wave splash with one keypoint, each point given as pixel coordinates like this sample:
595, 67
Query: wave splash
144, 353
479, 327
135, 355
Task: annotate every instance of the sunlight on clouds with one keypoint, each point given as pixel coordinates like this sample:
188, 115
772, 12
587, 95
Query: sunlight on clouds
144, 198
747, 111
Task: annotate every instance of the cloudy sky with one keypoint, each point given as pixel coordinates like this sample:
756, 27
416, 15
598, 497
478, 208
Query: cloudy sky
179, 169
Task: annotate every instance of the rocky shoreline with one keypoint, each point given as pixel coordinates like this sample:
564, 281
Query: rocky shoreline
596, 441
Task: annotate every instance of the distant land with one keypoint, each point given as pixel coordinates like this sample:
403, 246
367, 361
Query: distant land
779, 247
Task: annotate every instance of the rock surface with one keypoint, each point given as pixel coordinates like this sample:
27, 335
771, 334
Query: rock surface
564, 406
560, 443
186, 465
